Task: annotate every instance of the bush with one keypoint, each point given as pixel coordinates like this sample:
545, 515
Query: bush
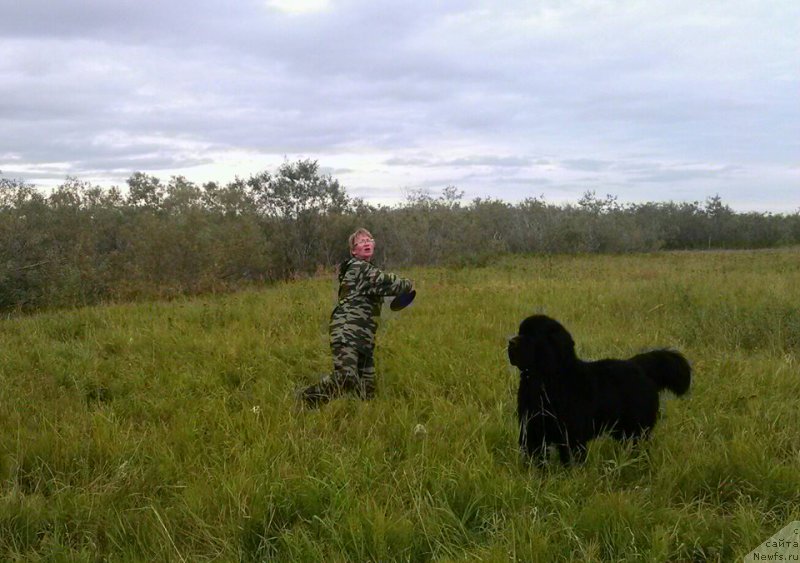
83, 244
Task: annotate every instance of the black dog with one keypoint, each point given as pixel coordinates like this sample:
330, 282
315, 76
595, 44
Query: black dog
565, 402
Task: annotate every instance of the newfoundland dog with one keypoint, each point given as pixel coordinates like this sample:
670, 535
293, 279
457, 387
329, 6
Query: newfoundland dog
565, 402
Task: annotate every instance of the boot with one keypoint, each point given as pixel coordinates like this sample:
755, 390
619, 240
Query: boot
320, 393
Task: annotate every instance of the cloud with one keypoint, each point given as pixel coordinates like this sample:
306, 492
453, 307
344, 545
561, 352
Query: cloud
676, 176
397, 94
462, 162
301, 7
586, 164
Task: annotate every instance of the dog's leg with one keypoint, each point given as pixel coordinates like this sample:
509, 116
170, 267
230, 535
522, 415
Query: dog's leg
532, 443
572, 452
565, 455
538, 453
571, 456
527, 442
523, 435
540, 456
579, 452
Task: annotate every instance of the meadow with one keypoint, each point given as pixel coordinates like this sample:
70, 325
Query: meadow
169, 431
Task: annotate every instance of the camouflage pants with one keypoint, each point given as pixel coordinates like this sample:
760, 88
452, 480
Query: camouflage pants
353, 371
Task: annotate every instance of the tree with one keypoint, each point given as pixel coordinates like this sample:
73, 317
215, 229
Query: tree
719, 217
298, 189
301, 205
145, 191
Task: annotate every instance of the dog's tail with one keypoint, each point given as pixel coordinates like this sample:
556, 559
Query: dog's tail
669, 369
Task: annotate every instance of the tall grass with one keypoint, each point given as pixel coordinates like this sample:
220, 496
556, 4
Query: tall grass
169, 431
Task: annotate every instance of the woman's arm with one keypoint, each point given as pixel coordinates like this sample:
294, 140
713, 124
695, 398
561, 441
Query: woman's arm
373, 281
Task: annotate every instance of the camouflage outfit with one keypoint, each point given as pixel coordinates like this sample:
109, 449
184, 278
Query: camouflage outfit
353, 325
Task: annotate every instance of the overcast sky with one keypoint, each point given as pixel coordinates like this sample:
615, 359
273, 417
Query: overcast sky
647, 100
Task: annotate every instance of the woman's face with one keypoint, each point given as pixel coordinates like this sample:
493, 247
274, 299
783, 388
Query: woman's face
363, 247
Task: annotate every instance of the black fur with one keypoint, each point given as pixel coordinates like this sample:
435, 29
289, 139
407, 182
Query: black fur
566, 402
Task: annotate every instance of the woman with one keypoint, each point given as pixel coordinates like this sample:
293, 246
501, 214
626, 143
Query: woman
354, 322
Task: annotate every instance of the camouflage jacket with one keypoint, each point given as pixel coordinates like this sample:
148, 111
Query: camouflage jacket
362, 288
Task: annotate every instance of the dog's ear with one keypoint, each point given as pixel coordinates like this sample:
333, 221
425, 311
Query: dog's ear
563, 342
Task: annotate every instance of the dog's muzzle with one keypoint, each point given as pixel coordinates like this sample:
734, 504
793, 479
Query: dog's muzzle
514, 351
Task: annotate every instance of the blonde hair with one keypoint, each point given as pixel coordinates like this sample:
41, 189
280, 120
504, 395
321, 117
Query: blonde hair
352, 239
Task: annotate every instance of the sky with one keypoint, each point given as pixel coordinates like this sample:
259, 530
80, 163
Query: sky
643, 100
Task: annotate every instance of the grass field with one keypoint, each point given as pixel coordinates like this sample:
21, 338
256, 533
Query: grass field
169, 431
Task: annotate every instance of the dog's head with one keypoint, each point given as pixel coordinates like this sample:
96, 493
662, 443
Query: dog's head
541, 343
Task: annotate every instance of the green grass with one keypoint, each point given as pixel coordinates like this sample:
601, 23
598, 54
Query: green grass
169, 431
